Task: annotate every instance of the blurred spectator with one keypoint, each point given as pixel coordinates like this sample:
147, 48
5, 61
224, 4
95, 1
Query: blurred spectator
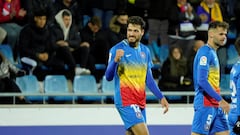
104, 9
11, 13
211, 10
237, 15
137, 7
31, 5
7, 84
118, 27
3, 35
182, 23
196, 46
74, 8
67, 42
98, 41
158, 29
174, 72
35, 42
195, 3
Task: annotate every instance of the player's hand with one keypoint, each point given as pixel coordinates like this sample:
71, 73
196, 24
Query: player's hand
119, 54
164, 104
225, 106
236, 128
43, 56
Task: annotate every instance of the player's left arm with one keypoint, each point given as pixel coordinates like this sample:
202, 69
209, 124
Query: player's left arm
151, 84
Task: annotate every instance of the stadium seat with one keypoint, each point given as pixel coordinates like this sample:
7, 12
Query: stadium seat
86, 84
108, 87
232, 56
29, 85
100, 66
6, 50
225, 82
57, 84
225, 85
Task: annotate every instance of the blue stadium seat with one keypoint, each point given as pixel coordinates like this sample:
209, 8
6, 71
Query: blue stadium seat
225, 85
225, 82
100, 66
57, 84
232, 56
6, 50
29, 84
108, 87
86, 84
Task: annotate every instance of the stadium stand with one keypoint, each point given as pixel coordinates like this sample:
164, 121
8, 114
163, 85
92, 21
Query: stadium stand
108, 87
86, 84
58, 85
29, 85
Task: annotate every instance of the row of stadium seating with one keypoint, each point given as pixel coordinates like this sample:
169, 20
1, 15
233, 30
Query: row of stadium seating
56, 87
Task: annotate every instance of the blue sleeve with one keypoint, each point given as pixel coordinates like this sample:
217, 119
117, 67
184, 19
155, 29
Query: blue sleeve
151, 84
238, 96
112, 65
202, 81
111, 68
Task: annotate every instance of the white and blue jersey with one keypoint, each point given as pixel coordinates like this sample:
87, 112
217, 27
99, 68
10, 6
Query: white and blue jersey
235, 95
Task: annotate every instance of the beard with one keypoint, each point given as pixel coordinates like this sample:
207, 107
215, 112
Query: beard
133, 43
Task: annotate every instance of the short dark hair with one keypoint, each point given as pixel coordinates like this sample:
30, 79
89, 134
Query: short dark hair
65, 13
95, 20
136, 20
217, 24
40, 12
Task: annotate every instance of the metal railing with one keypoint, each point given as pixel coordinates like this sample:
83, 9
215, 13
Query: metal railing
104, 94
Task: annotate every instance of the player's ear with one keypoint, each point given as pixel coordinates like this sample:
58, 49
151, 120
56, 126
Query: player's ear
210, 34
142, 32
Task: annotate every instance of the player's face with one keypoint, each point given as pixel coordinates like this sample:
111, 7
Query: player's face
134, 34
220, 36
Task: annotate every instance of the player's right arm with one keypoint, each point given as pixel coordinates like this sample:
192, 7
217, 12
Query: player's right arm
114, 58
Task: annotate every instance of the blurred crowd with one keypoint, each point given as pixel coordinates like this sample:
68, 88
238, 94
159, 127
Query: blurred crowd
71, 36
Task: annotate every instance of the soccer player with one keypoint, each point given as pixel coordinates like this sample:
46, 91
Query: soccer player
234, 114
130, 65
210, 108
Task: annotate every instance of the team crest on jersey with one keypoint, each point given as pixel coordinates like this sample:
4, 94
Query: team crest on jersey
203, 61
143, 55
139, 115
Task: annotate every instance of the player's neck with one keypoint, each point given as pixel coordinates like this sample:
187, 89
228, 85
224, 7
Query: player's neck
213, 45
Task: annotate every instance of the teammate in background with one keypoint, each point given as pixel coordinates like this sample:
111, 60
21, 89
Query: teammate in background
234, 114
130, 65
210, 108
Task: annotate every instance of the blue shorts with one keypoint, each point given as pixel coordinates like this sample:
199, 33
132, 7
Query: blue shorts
232, 118
209, 120
132, 115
